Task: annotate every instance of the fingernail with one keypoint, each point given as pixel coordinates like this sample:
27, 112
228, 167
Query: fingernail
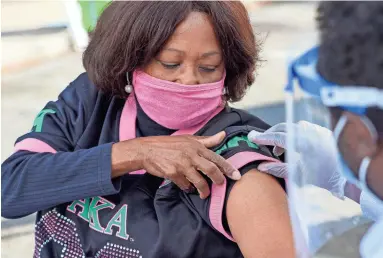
201, 195
263, 167
236, 175
252, 135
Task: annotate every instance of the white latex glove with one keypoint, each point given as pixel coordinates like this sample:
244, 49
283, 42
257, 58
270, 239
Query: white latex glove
371, 206
371, 245
316, 152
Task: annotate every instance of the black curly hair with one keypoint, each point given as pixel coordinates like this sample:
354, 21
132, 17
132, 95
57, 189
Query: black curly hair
351, 49
351, 45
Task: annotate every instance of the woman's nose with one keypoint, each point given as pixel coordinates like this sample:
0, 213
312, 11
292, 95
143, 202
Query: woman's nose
188, 77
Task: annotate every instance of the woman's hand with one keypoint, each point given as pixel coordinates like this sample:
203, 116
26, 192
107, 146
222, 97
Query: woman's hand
179, 159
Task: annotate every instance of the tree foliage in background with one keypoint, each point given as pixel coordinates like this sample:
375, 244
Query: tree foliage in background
91, 10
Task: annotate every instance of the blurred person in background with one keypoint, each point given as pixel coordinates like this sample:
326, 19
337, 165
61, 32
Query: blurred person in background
76, 29
345, 72
83, 17
141, 156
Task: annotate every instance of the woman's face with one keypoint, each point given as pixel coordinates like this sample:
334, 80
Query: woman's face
192, 55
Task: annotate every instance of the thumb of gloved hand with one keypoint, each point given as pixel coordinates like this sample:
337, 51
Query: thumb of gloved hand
276, 169
270, 138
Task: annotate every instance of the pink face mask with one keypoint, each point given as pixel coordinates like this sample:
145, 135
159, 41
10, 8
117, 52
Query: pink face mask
174, 105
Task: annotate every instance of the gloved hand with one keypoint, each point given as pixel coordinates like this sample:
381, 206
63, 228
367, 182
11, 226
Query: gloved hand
371, 244
371, 206
316, 154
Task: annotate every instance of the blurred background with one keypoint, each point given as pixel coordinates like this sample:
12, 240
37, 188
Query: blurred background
42, 44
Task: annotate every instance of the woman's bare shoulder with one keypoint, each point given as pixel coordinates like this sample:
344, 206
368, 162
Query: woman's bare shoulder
258, 217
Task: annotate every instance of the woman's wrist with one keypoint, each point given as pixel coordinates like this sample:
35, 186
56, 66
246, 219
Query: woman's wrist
126, 157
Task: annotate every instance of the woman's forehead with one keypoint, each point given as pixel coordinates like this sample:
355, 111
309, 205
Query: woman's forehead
194, 34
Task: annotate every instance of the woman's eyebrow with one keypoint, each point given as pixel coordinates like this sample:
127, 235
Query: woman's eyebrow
204, 55
175, 50
211, 53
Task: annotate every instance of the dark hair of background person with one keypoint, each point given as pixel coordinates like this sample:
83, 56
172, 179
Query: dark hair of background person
129, 34
351, 46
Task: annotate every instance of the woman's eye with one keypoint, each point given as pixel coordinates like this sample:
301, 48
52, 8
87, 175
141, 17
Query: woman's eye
208, 69
169, 66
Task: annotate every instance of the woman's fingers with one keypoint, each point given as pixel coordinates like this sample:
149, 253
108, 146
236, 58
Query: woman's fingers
211, 141
182, 182
183, 159
198, 181
210, 169
224, 166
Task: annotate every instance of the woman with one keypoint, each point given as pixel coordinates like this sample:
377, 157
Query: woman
95, 162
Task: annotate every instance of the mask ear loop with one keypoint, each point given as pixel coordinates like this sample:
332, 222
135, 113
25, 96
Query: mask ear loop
339, 127
371, 128
363, 169
364, 165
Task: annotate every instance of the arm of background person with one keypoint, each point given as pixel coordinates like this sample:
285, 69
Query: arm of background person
258, 217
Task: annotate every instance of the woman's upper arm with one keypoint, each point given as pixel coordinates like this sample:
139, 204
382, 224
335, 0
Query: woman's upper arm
45, 171
59, 125
258, 216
